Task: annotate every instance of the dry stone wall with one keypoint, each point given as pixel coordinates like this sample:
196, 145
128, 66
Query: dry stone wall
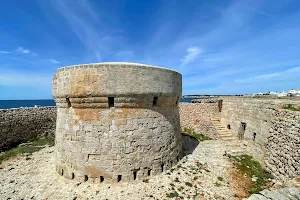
282, 155
116, 122
22, 124
197, 116
273, 131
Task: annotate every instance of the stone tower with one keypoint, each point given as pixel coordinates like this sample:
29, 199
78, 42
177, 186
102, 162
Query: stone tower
116, 122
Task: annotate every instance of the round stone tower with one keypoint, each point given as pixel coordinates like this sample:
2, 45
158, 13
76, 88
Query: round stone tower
116, 122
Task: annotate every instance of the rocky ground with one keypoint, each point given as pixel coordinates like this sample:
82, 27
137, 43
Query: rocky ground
202, 174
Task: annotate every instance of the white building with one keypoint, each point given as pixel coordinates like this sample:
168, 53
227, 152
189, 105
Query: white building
282, 94
294, 93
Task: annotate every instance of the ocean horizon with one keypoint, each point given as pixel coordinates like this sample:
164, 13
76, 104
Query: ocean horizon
7, 104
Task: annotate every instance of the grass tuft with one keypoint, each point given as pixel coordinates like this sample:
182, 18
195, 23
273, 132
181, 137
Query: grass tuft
28, 148
188, 184
172, 194
291, 107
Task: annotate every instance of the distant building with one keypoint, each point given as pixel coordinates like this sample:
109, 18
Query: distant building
294, 93
282, 94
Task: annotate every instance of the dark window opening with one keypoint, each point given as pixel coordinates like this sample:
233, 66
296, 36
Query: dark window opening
177, 100
119, 178
86, 178
228, 126
101, 179
68, 102
72, 176
254, 136
62, 172
155, 101
162, 167
177, 158
149, 172
134, 175
111, 102
171, 163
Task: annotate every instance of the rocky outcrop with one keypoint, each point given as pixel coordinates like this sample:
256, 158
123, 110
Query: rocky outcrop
281, 194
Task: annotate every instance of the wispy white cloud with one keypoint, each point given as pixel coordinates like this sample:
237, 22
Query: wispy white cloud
192, 54
263, 77
23, 50
260, 12
86, 23
54, 61
4, 52
125, 55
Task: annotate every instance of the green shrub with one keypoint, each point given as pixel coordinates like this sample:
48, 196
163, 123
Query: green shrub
291, 107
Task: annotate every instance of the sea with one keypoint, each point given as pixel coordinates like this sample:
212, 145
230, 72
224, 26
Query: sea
7, 104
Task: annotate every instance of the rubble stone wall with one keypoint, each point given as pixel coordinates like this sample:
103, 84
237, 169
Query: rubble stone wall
275, 132
22, 124
197, 116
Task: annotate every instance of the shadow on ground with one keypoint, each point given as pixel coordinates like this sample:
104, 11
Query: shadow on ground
189, 144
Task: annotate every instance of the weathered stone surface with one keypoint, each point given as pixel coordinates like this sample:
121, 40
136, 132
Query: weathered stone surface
281, 194
22, 124
119, 121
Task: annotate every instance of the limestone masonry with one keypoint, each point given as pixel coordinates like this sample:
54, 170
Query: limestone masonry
22, 124
116, 122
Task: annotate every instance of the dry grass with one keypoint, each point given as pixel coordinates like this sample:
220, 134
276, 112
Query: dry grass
239, 183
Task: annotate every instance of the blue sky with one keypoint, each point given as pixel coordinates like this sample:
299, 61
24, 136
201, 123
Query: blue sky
220, 47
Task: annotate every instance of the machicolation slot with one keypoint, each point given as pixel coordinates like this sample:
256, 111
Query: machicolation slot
101, 179
68, 102
155, 101
177, 101
119, 178
162, 167
134, 175
111, 102
86, 178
